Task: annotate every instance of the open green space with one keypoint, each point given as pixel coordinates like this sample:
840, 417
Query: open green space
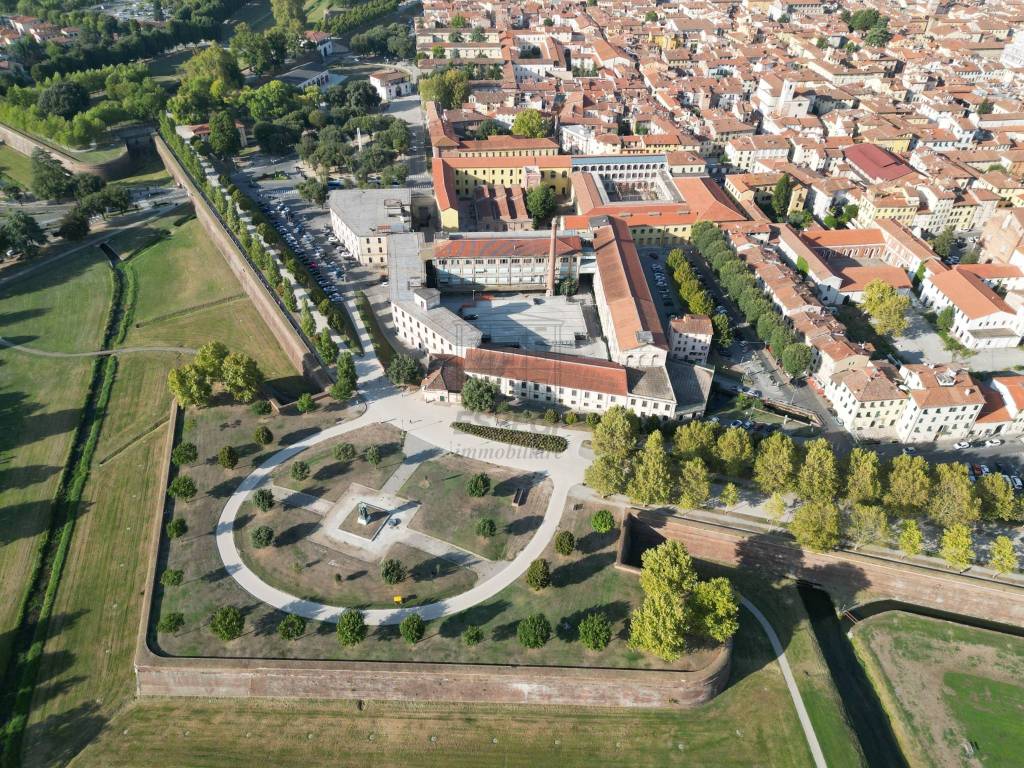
953, 693
15, 166
128, 242
150, 173
256, 13
860, 330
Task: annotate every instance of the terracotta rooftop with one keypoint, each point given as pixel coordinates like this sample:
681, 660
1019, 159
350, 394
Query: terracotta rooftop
549, 369
970, 294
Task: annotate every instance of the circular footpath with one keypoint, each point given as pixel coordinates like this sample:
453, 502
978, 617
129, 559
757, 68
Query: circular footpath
430, 423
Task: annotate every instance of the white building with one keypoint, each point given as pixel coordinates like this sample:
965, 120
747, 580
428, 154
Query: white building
982, 319
944, 404
689, 338
364, 220
868, 401
391, 84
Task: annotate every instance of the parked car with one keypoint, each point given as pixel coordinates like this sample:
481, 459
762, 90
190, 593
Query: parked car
993, 441
961, 445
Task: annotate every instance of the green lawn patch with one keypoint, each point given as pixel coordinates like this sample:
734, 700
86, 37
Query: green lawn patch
990, 712
15, 166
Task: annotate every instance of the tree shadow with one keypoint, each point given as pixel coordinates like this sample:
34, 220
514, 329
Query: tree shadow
26, 476
433, 568
567, 628
298, 435
523, 525
355, 575
505, 631
595, 542
247, 449
58, 738
578, 571
24, 521
294, 534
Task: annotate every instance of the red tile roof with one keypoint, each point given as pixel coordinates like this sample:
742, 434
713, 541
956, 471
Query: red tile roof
876, 162
548, 368
504, 247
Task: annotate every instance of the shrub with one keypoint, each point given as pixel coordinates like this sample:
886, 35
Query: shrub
263, 499
412, 628
228, 457
176, 527
305, 403
184, 453
300, 470
593, 419
182, 487
263, 435
291, 627
171, 577
534, 631
520, 437
344, 452
602, 521
392, 571
351, 628
538, 575
262, 536
478, 485
372, 455
227, 623
570, 418
551, 416
472, 635
172, 622
260, 407
565, 542
595, 631
486, 527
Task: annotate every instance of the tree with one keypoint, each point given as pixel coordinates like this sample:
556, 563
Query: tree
22, 233
64, 99
224, 139
300, 470
287, 11
869, 524
74, 225
616, 434
189, 386
696, 439
306, 320
450, 89
909, 486
886, 307
541, 204
944, 320
775, 508
538, 575
986, 107
242, 377
530, 124
694, 483
184, 453
351, 628
344, 452
372, 455
404, 370
227, 457
263, 499
775, 465
943, 243
263, 435
862, 477
345, 386
472, 635
723, 331
910, 538
733, 451
816, 525
796, 359
392, 571
479, 394
998, 501
565, 543
652, 480
182, 487
227, 623
602, 521
781, 194
651, 16
1002, 557
50, 180
291, 627
957, 547
176, 528
313, 191
210, 360
171, 622
730, 495
818, 478
478, 485
534, 631
412, 628
595, 631
262, 536
953, 499
305, 403
486, 527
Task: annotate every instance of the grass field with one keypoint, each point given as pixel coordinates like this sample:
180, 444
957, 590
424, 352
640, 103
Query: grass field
16, 166
256, 13
40, 403
949, 690
127, 242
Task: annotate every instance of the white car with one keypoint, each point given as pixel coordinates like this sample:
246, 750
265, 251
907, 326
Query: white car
961, 445
994, 441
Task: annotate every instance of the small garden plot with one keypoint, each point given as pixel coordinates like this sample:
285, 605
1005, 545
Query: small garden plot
329, 477
450, 512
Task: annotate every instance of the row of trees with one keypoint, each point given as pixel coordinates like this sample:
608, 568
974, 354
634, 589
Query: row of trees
381, 40
741, 285
695, 298
355, 16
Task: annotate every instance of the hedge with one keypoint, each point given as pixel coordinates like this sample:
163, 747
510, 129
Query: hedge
520, 437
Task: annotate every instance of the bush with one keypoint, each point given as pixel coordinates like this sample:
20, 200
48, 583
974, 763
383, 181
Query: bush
263, 499
570, 418
228, 457
172, 622
538, 575
291, 627
565, 542
392, 571
305, 403
412, 628
602, 521
184, 453
351, 628
182, 487
372, 455
263, 435
227, 623
262, 536
519, 437
478, 485
593, 419
534, 631
486, 527
260, 407
176, 528
472, 635
551, 416
344, 452
171, 577
595, 631
300, 470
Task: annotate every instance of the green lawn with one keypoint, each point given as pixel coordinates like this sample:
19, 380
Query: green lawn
990, 712
150, 173
256, 13
16, 166
128, 242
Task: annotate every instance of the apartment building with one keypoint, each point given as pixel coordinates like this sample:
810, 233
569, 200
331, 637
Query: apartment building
365, 220
689, 338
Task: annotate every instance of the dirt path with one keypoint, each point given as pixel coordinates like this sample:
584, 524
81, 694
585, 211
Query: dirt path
99, 353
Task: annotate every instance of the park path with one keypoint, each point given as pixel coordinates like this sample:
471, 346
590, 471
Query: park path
98, 353
290, 498
787, 674
416, 452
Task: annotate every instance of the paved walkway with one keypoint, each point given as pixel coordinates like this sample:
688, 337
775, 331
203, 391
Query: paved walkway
787, 674
99, 353
290, 498
416, 452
